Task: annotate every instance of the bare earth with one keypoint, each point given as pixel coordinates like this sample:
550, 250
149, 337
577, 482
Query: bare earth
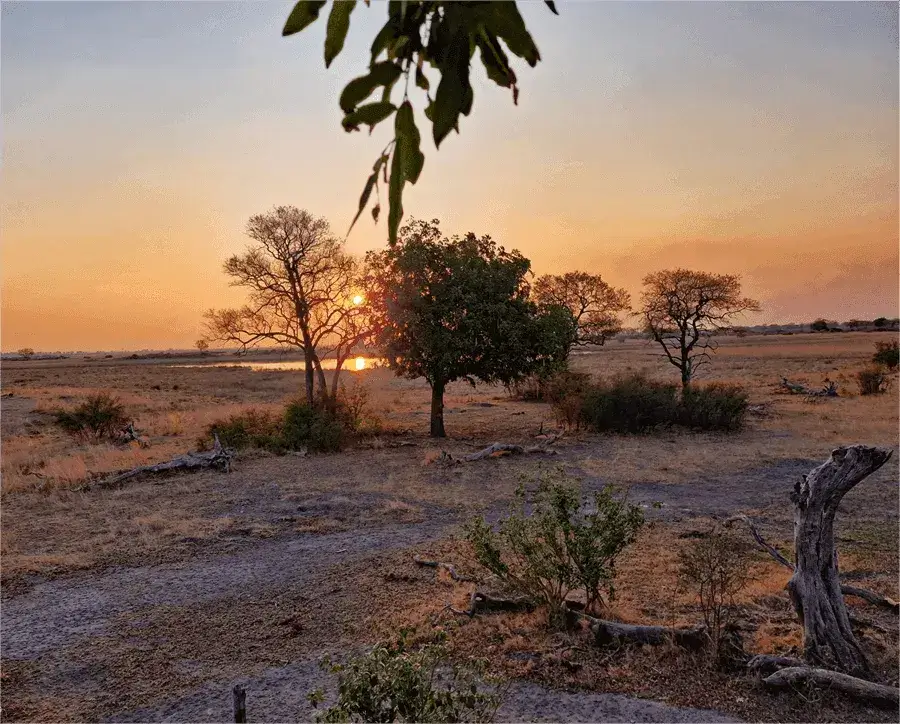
149, 602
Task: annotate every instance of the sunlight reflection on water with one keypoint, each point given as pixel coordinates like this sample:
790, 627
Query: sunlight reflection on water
353, 365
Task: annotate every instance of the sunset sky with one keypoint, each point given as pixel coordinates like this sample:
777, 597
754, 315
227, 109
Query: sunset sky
757, 138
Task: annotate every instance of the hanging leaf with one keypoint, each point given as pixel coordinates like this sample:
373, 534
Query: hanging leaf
380, 44
358, 89
376, 209
304, 13
494, 59
371, 182
370, 114
454, 93
421, 80
338, 25
409, 143
504, 20
552, 5
406, 165
364, 199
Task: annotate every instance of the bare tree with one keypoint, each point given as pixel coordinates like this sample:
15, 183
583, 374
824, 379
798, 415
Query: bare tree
594, 304
681, 308
202, 345
303, 293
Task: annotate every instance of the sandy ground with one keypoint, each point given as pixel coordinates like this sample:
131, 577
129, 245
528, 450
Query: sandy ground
148, 603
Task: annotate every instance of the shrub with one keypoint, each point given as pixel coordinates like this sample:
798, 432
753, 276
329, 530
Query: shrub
100, 416
253, 428
354, 413
630, 403
560, 547
887, 354
820, 325
550, 386
716, 568
312, 428
873, 381
392, 683
714, 407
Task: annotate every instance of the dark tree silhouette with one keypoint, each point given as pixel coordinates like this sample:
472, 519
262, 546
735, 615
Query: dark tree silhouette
305, 292
459, 309
594, 304
682, 307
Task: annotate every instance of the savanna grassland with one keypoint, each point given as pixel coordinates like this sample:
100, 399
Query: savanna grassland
149, 601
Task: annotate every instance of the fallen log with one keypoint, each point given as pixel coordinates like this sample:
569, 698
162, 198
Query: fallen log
859, 689
607, 633
869, 596
485, 602
218, 457
505, 447
449, 567
767, 664
830, 390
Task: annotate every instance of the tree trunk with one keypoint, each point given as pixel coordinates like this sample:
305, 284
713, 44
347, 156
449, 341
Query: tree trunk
815, 588
685, 372
437, 410
308, 374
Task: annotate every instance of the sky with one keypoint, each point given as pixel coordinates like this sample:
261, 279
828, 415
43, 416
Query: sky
139, 137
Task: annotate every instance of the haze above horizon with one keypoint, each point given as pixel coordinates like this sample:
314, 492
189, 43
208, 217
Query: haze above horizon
751, 138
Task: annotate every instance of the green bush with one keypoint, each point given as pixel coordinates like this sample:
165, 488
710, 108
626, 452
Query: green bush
714, 407
887, 354
392, 683
550, 386
301, 427
561, 546
311, 428
630, 403
100, 416
873, 381
249, 429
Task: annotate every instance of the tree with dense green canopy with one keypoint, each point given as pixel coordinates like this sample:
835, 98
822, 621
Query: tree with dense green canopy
443, 35
460, 309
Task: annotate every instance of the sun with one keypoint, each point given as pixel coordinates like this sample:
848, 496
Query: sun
358, 299
360, 363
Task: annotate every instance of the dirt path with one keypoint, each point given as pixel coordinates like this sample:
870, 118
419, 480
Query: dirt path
106, 645
279, 694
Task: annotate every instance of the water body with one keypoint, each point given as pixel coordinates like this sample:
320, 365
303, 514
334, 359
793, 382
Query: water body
357, 364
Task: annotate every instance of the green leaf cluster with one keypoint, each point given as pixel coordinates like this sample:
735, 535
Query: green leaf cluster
442, 35
553, 543
394, 683
460, 309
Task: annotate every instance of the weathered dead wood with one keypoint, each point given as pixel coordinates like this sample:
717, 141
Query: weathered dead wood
449, 567
759, 539
830, 390
869, 596
872, 597
485, 602
130, 435
607, 633
218, 457
767, 664
859, 689
505, 447
815, 587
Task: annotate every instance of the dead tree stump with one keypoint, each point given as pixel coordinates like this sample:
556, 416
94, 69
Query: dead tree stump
815, 588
